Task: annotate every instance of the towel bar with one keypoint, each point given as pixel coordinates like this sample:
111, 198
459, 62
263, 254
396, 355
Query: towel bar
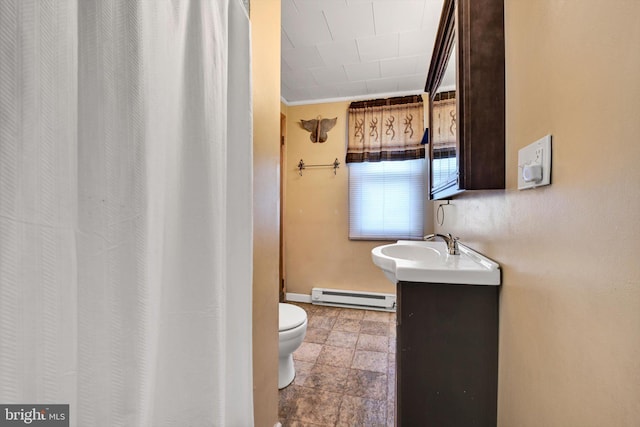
335, 165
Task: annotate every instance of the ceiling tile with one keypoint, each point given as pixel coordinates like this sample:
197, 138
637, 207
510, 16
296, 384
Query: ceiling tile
302, 58
392, 17
378, 47
350, 22
318, 6
323, 92
387, 85
414, 82
296, 80
329, 75
350, 2
285, 43
340, 52
431, 15
352, 88
398, 66
285, 92
292, 95
422, 65
304, 28
363, 70
418, 42
284, 67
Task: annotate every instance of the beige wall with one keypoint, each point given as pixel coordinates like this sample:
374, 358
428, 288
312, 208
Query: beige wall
570, 301
318, 250
265, 28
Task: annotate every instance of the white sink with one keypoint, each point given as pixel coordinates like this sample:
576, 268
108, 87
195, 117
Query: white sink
419, 261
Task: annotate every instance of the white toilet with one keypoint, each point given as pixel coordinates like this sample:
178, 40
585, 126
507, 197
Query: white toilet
292, 327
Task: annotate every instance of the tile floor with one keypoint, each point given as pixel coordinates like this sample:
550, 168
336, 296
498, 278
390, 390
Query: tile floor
345, 370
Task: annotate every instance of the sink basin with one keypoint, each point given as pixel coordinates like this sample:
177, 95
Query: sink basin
411, 252
429, 262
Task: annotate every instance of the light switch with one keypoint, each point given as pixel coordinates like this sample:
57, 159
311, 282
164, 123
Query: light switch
532, 173
534, 164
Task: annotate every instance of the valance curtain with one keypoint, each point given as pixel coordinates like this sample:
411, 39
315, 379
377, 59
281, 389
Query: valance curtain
444, 121
386, 129
125, 210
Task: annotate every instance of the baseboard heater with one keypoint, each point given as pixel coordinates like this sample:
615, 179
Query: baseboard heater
353, 299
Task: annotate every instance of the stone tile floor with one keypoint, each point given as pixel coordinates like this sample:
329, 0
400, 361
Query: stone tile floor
345, 370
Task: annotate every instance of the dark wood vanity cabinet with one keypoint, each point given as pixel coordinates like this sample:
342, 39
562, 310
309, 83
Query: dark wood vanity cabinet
468, 60
447, 355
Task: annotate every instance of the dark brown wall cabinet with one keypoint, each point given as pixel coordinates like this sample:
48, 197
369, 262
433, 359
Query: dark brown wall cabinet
468, 59
447, 355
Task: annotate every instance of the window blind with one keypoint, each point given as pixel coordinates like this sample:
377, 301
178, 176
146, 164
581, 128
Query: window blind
386, 200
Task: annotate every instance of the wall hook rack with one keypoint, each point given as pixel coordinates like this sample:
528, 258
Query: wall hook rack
335, 165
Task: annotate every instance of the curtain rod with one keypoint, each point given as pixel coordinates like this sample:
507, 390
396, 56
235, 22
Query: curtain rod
398, 100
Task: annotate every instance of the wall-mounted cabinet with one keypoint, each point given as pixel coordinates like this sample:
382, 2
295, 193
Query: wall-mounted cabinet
466, 99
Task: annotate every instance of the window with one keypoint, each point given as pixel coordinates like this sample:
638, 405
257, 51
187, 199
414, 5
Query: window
444, 167
386, 200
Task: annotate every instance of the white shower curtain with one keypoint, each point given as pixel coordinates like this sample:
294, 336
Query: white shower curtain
125, 210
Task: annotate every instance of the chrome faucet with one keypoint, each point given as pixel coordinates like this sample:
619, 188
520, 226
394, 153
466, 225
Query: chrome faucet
452, 242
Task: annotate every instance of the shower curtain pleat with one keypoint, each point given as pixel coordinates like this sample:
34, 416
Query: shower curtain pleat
38, 194
125, 210
239, 250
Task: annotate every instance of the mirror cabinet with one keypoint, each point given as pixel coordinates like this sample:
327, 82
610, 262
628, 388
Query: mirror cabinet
466, 99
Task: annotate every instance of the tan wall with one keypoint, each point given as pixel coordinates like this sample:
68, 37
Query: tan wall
318, 250
570, 301
265, 37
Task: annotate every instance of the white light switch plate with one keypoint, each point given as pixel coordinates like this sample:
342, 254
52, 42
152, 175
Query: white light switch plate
529, 158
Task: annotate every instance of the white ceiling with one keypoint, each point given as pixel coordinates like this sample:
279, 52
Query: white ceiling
355, 49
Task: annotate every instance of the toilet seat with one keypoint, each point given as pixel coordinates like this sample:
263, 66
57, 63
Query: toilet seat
290, 317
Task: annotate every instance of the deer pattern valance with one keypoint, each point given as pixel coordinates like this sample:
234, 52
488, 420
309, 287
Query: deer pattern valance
385, 132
